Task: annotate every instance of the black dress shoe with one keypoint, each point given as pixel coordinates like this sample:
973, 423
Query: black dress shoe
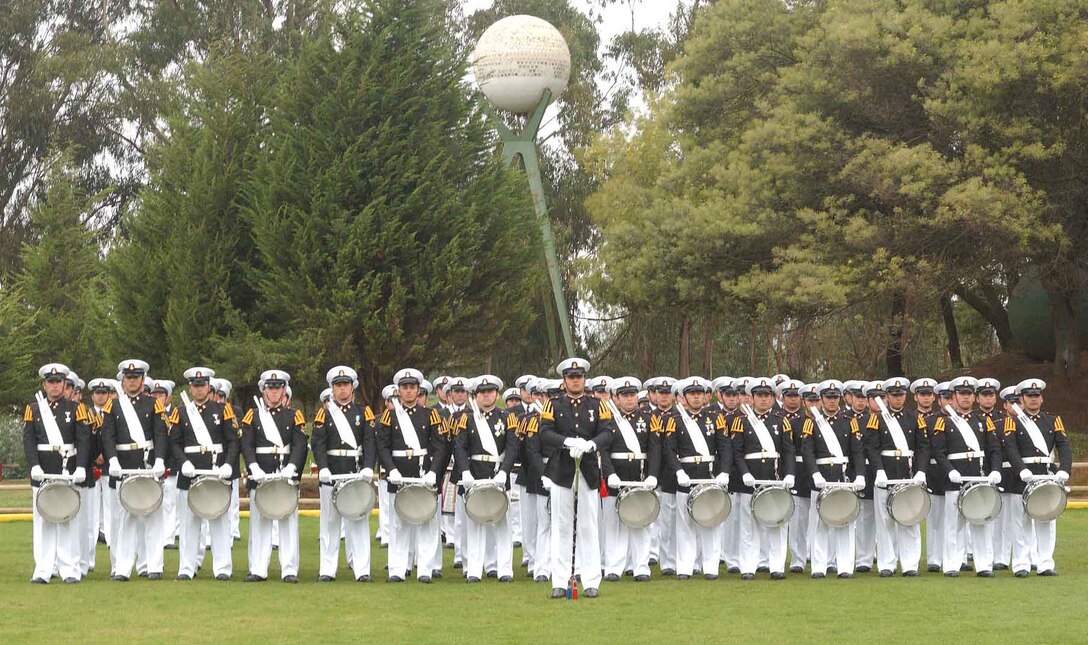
846, 575
710, 576
642, 578
363, 578
762, 569
101, 538
436, 575
1000, 567
154, 576
38, 581
778, 575
818, 574
885, 573
492, 574
517, 545
628, 572
797, 569
223, 577
612, 577
964, 568
863, 569
558, 593
458, 565
119, 578
291, 580
1048, 573
142, 574
325, 578
985, 574
171, 547
71, 581
472, 580
184, 576
1021, 574
425, 580
833, 570
540, 579
591, 592
697, 572
668, 572
747, 576
653, 562
252, 577
506, 578
910, 574
394, 579
934, 568
951, 574
733, 570
683, 576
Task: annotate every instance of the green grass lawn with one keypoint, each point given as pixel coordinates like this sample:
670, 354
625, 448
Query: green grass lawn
869, 609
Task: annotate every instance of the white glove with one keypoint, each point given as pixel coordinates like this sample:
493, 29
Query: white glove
572, 442
115, 467
1062, 476
955, 477
225, 471
651, 481
547, 484
748, 479
255, 471
613, 481
324, 476
429, 478
500, 478
188, 469
818, 481
722, 479
682, 478
367, 474
588, 446
37, 474
576, 452
1026, 476
80, 475
789, 481
466, 477
158, 469
920, 477
395, 477
995, 478
881, 480
859, 481
289, 471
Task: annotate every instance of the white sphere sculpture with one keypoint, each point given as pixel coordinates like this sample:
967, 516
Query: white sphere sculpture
517, 58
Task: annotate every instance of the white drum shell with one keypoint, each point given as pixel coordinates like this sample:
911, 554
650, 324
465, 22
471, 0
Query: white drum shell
415, 503
209, 497
709, 505
908, 504
837, 506
276, 499
979, 503
637, 508
772, 506
140, 494
57, 501
354, 499
1044, 500
486, 503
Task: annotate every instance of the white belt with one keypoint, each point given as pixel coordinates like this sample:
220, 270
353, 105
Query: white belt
130, 446
801, 460
1006, 464
932, 462
215, 447
411, 454
832, 461
698, 459
1036, 460
761, 455
629, 456
970, 454
343, 452
488, 458
51, 447
897, 453
274, 450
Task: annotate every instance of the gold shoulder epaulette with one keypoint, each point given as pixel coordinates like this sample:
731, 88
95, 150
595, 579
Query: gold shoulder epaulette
387, 419
108, 408
368, 415
320, 416
228, 412
28, 415
300, 420
248, 419
873, 423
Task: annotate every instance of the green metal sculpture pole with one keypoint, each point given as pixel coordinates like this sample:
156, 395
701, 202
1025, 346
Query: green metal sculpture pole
523, 145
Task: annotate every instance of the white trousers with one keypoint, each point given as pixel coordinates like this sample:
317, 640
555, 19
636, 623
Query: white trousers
1004, 530
410, 544
191, 540
109, 504
460, 530
754, 538
56, 547
625, 548
138, 542
865, 534
489, 545
588, 556
731, 535
527, 506
666, 521
935, 530
88, 528
514, 513
1034, 542
895, 543
235, 510
542, 564
260, 543
800, 531
697, 547
385, 512
171, 520
356, 539
958, 533
831, 545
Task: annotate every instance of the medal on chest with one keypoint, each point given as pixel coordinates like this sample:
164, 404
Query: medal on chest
641, 425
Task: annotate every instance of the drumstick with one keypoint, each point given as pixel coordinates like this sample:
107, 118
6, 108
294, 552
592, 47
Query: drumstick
136, 471
214, 473
349, 477
60, 477
638, 484
972, 480
897, 482
766, 482
702, 482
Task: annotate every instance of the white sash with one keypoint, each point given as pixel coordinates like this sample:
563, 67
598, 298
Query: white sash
407, 430
760, 428
200, 429
52, 431
628, 433
483, 428
135, 428
693, 430
827, 432
965, 430
1032, 428
894, 429
268, 424
343, 428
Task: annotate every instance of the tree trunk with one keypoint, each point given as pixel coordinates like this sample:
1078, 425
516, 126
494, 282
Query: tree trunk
951, 331
893, 356
987, 302
642, 347
685, 348
708, 348
1066, 335
753, 339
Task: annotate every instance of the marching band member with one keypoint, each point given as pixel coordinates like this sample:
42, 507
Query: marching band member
663, 537
801, 525
535, 458
163, 390
925, 397
512, 403
1005, 531
457, 395
221, 392
385, 494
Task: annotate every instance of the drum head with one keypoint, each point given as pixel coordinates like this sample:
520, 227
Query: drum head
57, 502
838, 507
276, 498
354, 499
772, 506
209, 497
415, 503
709, 505
140, 494
638, 507
486, 504
1044, 500
979, 503
908, 504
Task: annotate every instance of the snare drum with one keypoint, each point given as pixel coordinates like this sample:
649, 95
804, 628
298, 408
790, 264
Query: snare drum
1044, 499
772, 506
140, 495
354, 498
486, 503
979, 503
908, 504
638, 507
709, 505
57, 501
838, 506
209, 497
276, 499
415, 503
